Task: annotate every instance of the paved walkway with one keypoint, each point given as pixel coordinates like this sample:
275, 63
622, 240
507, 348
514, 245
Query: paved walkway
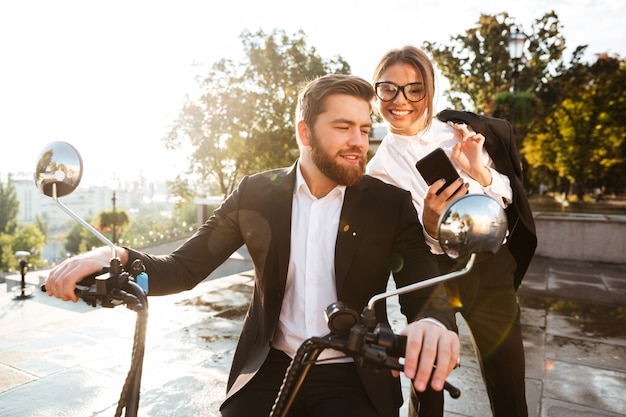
65, 359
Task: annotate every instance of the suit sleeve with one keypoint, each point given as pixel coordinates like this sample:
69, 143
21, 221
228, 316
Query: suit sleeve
197, 257
416, 263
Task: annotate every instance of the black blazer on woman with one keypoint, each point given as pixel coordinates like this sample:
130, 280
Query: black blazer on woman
378, 233
500, 145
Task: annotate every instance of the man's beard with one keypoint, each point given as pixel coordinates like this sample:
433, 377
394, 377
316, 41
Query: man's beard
341, 174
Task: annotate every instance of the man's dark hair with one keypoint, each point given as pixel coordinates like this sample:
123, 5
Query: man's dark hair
311, 100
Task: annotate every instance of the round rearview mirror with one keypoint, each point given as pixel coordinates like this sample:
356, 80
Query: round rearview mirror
59, 169
471, 224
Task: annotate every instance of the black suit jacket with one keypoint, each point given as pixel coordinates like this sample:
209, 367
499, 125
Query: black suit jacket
378, 233
500, 145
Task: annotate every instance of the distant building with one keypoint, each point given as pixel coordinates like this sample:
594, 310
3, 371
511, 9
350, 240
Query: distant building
378, 134
85, 202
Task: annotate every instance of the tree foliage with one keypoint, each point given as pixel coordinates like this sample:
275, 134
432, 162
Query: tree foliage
15, 237
30, 238
156, 223
523, 110
113, 219
478, 66
25, 238
582, 139
9, 206
42, 226
567, 116
79, 240
7, 255
243, 121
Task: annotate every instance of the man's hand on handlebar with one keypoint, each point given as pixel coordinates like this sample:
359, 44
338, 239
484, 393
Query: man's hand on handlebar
61, 281
430, 349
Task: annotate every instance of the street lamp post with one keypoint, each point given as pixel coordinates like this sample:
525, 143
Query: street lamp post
25, 291
114, 187
516, 51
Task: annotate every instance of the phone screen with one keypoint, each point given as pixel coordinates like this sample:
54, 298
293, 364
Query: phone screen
437, 165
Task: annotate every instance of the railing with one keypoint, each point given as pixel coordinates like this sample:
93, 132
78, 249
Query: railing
581, 236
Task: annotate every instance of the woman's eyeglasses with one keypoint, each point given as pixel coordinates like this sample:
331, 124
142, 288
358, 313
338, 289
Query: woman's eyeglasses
388, 91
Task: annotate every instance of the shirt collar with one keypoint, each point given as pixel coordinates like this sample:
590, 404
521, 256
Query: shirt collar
402, 143
301, 185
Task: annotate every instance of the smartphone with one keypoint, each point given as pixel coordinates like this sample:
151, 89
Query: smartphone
437, 165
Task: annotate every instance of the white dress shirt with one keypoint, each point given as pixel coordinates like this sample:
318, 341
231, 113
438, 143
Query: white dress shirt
395, 160
310, 284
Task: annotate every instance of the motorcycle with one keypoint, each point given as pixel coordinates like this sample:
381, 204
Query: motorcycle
470, 225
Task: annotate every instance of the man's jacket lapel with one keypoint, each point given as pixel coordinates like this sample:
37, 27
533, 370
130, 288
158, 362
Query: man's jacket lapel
348, 232
282, 201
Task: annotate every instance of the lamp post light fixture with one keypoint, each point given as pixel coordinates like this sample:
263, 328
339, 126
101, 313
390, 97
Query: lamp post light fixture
516, 51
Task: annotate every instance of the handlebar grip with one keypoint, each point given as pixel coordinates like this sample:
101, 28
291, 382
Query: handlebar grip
82, 285
398, 349
78, 290
452, 390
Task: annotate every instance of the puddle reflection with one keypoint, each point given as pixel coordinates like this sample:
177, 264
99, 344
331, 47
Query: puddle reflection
594, 320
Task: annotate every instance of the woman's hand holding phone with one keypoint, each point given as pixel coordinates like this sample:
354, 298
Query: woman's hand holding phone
445, 184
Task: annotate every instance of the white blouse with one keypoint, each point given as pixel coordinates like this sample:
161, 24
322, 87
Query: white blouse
395, 160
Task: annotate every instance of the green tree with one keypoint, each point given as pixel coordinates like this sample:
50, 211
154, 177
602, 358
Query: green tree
185, 217
582, 140
29, 238
79, 240
113, 219
42, 226
243, 121
479, 69
523, 109
9, 206
478, 66
183, 191
158, 222
73, 239
7, 256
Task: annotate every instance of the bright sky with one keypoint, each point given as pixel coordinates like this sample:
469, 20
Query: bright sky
109, 76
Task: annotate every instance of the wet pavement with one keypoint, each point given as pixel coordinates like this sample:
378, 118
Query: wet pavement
66, 359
